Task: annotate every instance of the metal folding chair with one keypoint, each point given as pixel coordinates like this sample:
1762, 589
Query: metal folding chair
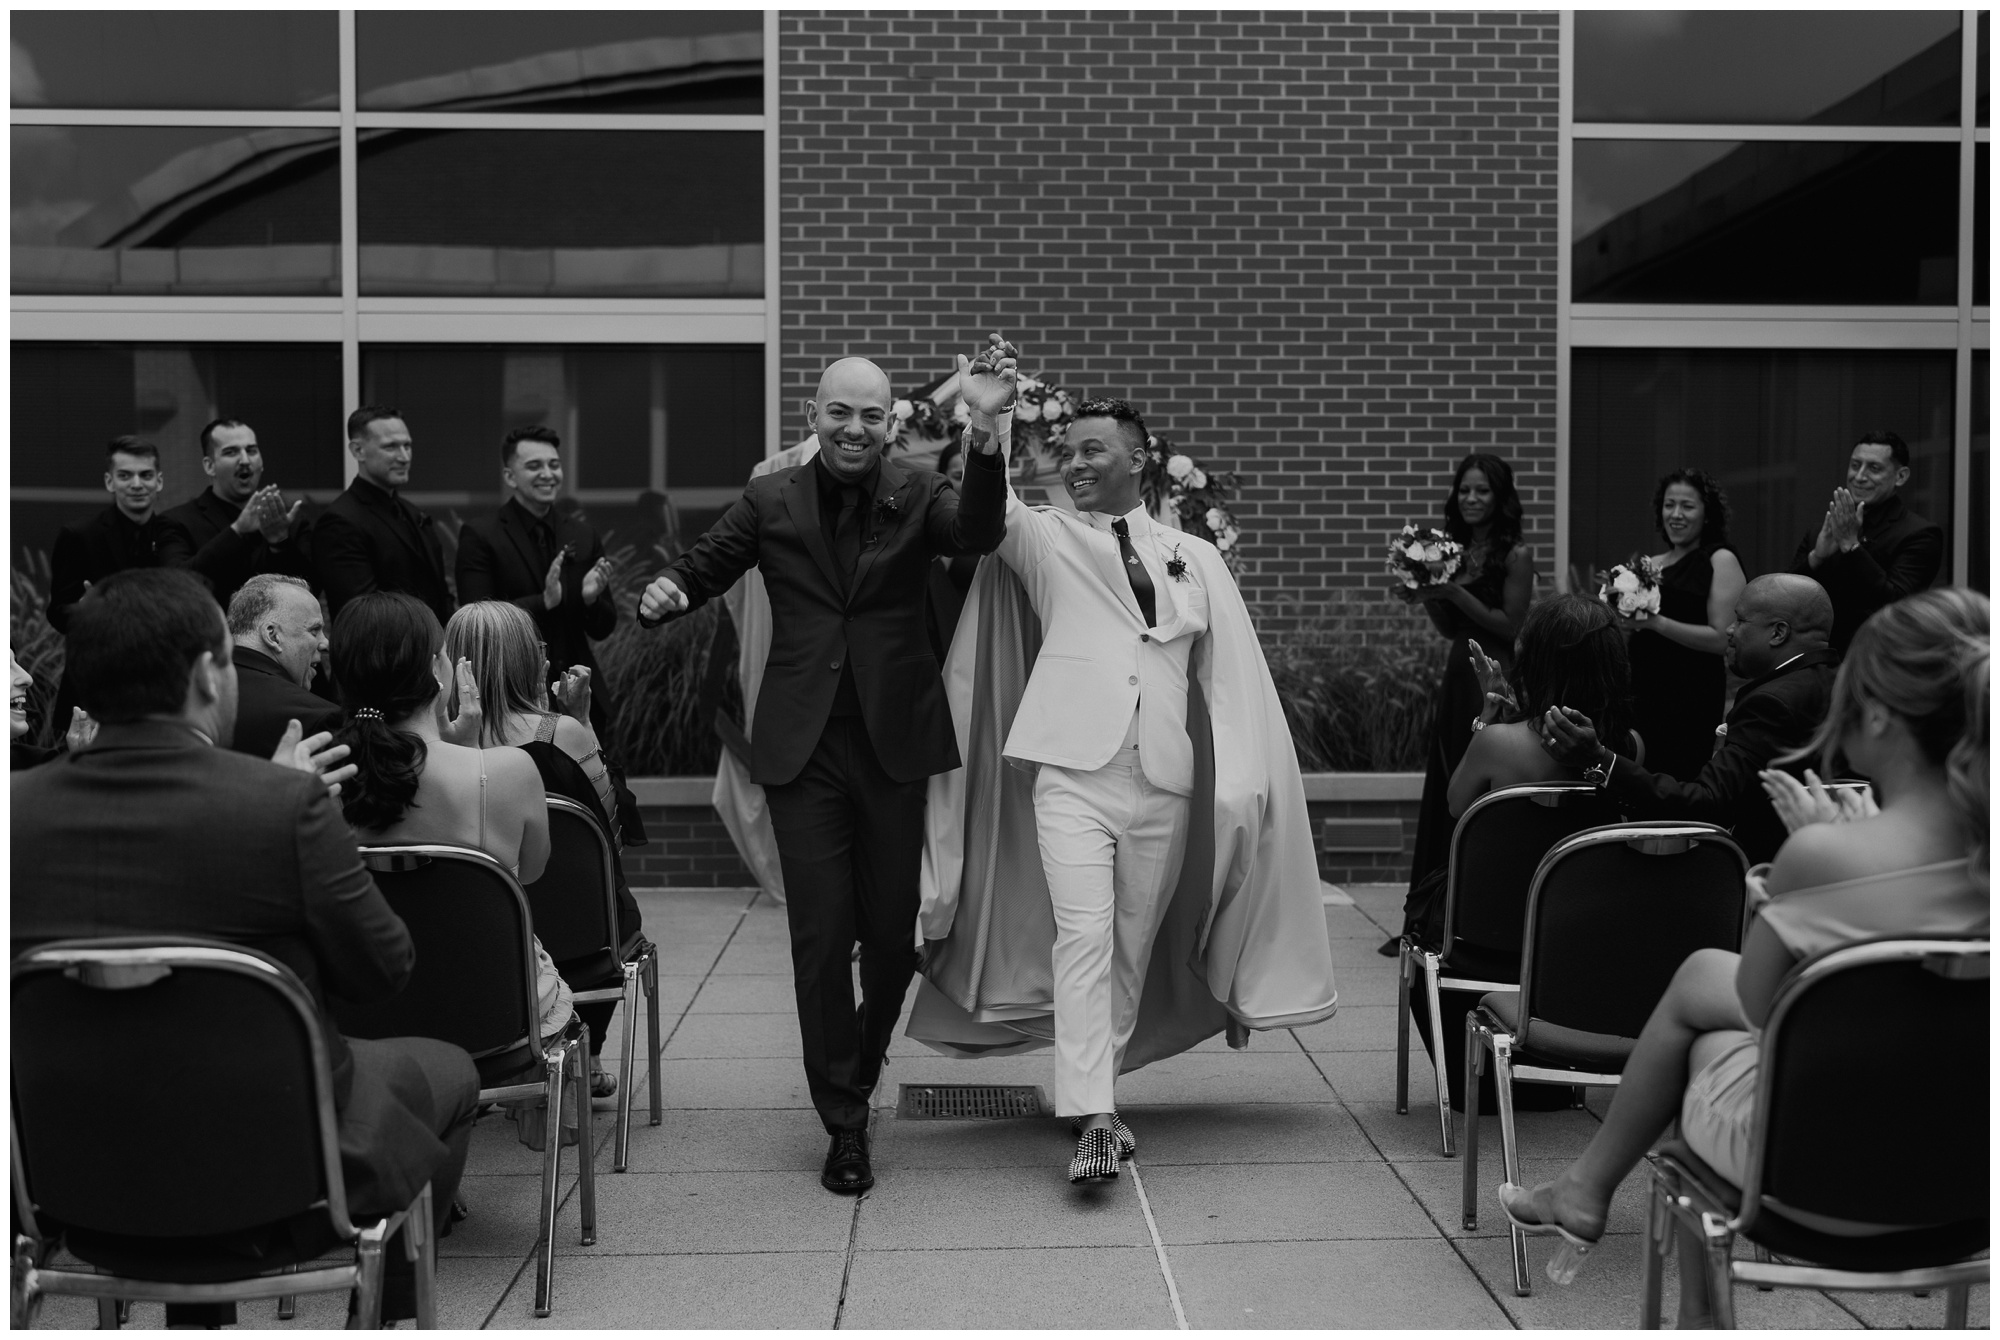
237, 1194
1883, 1042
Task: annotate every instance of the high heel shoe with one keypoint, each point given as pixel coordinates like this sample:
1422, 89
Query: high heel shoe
1569, 1256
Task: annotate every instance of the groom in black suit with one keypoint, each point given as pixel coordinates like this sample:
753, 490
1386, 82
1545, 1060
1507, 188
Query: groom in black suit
851, 720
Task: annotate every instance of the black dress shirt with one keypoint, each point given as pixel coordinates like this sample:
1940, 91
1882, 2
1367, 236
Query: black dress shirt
838, 499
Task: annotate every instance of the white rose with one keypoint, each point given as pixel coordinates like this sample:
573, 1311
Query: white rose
903, 409
1625, 582
1026, 410
1196, 479
1179, 467
1224, 543
1414, 552
1217, 520
1433, 554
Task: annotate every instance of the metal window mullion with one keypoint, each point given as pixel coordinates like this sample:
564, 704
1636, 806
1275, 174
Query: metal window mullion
1619, 130
1565, 195
165, 117
1961, 395
350, 238
774, 328
556, 121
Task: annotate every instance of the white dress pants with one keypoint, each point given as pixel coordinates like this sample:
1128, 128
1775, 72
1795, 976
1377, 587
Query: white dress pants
1111, 847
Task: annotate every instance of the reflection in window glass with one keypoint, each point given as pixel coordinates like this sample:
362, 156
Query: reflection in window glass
685, 422
68, 400
1775, 427
124, 209
614, 213
176, 59
663, 60
1982, 242
1778, 222
1979, 560
1984, 73
1792, 67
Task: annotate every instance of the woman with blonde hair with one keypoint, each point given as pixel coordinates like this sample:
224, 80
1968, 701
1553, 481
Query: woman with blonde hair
1909, 710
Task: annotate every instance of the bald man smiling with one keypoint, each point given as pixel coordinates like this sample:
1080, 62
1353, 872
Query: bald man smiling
851, 721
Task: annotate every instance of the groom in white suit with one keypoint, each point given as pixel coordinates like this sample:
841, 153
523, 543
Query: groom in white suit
1105, 716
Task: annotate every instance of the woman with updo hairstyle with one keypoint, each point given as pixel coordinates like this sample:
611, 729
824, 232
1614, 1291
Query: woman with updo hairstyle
420, 776
1678, 681
1909, 710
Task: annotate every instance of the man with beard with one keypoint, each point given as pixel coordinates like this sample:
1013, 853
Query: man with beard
851, 719
1870, 549
238, 526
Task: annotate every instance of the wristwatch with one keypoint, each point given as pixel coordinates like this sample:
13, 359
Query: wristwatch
1598, 774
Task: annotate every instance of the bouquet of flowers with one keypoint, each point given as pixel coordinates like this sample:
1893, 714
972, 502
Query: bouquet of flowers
1631, 589
919, 417
1424, 556
1200, 498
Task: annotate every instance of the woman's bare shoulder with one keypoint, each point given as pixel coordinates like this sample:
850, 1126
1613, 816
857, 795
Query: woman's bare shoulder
574, 738
1831, 853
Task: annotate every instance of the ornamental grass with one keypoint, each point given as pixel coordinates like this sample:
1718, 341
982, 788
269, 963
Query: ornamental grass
1356, 687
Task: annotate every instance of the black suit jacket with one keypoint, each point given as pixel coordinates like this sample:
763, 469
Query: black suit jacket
89, 551
1899, 554
498, 560
775, 526
227, 559
1773, 715
359, 544
266, 698
121, 838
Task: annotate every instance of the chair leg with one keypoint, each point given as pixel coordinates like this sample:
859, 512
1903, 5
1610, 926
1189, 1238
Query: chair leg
1475, 1063
1503, 1093
288, 1307
554, 1063
1760, 1252
24, 1300
586, 1141
1957, 1304
107, 1314
420, 1237
1716, 1241
621, 1147
1431, 971
652, 980
1651, 1271
1402, 1028
368, 1288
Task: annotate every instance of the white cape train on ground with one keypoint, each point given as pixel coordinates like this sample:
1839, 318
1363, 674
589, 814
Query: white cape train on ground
1243, 940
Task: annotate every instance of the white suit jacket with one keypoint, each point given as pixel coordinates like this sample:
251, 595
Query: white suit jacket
1099, 662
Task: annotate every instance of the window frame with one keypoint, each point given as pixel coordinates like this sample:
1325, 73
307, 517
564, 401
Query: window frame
1961, 327
353, 320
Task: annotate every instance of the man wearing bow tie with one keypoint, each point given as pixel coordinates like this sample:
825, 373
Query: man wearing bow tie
851, 721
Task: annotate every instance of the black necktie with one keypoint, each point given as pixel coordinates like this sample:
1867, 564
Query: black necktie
1142, 585
847, 534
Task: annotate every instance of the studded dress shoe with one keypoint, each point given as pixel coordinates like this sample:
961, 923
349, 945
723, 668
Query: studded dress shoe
1127, 1145
847, 1172
1096, 1157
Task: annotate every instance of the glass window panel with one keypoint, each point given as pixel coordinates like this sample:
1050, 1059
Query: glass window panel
1777, 222
253, 60
68, 400
666, 60
1775, 427
1984, 73
1794, 67
1982, 215
125, 209
1980, 559
685, 421
534, 212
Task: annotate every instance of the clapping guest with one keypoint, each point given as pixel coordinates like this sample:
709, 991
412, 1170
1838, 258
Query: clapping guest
421, 776
510, 673
1486, 599
1678, 683
239, 526
1870, 548
279, 634
1910, 710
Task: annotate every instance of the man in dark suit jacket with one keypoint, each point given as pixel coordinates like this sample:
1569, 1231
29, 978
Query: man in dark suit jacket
551, 565
127, 534
105, 843
369, 538
1778, 642
236, 528
851, 721
1870, 550
279, 636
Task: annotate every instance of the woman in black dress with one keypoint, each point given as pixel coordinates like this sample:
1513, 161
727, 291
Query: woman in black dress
1485, 602
1677, 676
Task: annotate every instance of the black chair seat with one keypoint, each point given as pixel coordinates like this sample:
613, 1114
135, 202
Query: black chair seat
206, 1260
516, 1065
1556, 1047
593, 972
1480, 964
1906, 1250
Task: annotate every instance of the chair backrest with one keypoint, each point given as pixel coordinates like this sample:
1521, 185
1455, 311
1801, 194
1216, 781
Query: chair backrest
1496, 848
1612, 915
575, 902
1872, 1083
169, 1087
474, 980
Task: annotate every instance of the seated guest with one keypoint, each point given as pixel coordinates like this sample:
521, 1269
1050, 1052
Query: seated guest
1909, 709
105, 844
26, 753
279, 632
510, 671
1778, 642
1870, 548
422, 777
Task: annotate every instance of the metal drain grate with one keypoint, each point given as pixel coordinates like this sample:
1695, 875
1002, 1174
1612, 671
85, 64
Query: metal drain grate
958, 1102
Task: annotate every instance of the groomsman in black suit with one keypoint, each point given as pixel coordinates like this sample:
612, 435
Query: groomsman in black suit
851, 721
551, 565
127, 534
370, 538
1870, 549
236, 528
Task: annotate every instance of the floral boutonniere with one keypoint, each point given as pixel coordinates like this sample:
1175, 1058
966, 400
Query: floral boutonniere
886, 511
1177, 566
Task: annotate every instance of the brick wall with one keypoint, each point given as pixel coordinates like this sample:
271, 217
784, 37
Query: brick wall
1317, 249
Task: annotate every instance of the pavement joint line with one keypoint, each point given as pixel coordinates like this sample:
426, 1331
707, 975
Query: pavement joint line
1159, 1248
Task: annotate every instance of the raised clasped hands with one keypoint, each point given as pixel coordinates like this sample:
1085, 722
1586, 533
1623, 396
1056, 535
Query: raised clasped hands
1811, 802
1841, 527
1497, 695
986, 382
462, 729
661, 598
571, 693
316, 754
